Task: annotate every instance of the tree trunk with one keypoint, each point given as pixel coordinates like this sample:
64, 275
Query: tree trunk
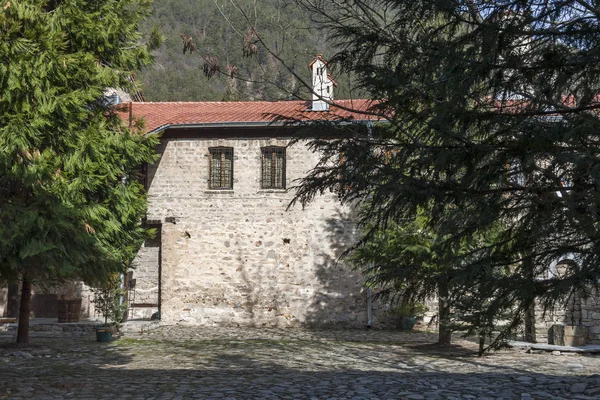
530, 324
445, 333
23, 329
530, 312
481, 345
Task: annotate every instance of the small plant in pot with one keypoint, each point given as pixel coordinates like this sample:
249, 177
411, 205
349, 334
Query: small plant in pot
107, 301
408, 314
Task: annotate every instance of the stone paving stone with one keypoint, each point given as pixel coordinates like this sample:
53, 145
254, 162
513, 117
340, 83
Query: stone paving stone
181, 362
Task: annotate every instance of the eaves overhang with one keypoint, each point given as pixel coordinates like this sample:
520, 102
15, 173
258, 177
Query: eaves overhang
206, 125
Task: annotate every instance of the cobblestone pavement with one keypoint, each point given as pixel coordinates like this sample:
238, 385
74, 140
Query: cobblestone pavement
235, 363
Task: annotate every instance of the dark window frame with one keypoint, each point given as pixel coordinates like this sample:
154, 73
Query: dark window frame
220, 178
272, 173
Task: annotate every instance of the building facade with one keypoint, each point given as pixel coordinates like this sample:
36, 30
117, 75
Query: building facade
229, 247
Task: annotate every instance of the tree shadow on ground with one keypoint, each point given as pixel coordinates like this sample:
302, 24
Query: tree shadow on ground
250, 369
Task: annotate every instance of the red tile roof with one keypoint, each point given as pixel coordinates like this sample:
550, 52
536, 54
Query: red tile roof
157, 115
318, 57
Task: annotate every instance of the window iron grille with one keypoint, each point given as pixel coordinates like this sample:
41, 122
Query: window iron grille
221, 168
273, 168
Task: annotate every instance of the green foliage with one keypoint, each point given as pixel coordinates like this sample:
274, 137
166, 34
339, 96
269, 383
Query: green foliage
400, 261
416, 310
408, 264
108, 299
218, 29
491, 116
70, 203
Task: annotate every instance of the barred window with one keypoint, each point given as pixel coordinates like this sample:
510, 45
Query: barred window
273, 168
221, 168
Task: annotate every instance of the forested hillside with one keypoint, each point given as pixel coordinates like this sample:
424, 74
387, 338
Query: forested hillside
218, 29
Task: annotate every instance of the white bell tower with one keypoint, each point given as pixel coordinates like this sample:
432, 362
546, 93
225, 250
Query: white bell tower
322, 84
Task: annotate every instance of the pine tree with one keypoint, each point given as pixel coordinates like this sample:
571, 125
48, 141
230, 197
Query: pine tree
70, 202
401, 261
491, 112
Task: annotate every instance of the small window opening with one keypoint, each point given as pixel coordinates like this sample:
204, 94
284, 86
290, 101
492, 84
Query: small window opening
273, 168
221, 168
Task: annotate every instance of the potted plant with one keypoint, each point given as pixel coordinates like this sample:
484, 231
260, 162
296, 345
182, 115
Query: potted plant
108, 303
408, 314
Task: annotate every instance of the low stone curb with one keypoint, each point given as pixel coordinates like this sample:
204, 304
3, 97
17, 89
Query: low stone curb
553, 347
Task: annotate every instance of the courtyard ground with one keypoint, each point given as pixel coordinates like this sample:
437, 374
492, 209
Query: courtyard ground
265, 363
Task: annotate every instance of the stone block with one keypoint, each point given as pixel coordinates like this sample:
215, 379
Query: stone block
595, 330
567, 335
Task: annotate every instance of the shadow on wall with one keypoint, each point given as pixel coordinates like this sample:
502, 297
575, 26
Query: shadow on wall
276, 269
248, 293
342, 301
44, 299
149, 170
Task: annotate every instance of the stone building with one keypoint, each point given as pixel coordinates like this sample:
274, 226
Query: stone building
228, 249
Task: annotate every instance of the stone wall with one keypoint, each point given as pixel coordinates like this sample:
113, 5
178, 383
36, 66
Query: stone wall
561, 315
590, 317
43, 299
3, 301
576, 312
143, 298
241, 257
87, 305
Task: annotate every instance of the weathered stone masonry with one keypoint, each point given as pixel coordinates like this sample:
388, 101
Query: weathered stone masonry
240, 256
577, 312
